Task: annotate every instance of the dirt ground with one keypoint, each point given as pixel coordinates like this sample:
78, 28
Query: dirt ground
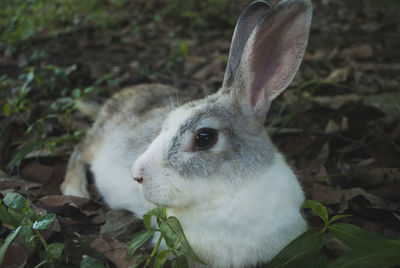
337, 124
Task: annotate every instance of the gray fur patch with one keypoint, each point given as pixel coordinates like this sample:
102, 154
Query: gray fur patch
246, 151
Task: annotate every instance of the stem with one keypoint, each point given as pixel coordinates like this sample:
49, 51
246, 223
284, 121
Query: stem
43, 241
153, 253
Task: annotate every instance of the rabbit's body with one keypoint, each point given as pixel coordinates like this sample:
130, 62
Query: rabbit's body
110, 147
210, 162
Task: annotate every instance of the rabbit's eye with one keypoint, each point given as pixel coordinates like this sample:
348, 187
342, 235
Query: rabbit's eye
205, 139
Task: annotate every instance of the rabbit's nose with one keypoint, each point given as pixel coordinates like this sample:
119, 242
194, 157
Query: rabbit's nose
137, 172
138, 179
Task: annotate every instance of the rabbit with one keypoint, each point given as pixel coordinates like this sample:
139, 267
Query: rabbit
210, 162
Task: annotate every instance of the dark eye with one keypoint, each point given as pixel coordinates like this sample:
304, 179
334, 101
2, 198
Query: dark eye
205, 139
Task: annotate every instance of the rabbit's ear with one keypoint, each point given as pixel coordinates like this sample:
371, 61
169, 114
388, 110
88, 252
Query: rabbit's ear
272, 55
245, 25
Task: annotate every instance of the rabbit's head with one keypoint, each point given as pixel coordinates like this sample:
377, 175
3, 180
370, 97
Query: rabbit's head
214, 146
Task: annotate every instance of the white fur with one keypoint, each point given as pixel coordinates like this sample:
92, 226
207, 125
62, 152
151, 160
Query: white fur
113, 178
247, 226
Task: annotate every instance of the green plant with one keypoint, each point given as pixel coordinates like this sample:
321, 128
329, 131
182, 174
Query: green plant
365, 248
22, 19
43, 144
16, 213
51, 89
171, 231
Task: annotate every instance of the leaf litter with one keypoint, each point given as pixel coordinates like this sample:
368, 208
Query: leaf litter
345, 150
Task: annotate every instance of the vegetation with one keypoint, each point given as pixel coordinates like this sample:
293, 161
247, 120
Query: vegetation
364, 248
15, 211
39, 90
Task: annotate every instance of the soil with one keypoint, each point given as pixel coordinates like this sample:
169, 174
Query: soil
341, 134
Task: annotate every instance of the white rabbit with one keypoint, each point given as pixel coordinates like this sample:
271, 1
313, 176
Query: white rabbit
209, 161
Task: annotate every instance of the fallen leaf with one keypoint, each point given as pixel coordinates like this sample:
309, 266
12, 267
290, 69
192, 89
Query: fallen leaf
17, 184
361, 52
121, 224
114, 250
374, 201
375, 176
335, 102
388, 102
339, 75
316, 167
61, 200
16, 255
331, 127
388, 191
326, 195
38, 172
212, 68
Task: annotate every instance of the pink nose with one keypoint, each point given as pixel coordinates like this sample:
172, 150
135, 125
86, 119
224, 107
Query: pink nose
139, 180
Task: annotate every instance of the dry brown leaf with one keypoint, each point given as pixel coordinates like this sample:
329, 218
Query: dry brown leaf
38, 172
335, 102
61, 200
17, 184
358, 53
331, 127
326, 195
340, 75
121, 224
342, 197
375, 176
16, 255
114, 250
374, 201
388, 191
213, 68
296, 145
316, 167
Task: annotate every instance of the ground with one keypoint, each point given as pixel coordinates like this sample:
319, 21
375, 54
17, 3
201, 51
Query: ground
337, 124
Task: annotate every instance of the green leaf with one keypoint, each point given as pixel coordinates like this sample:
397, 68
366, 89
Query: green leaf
15, 201
138, 240
55, 250
159, 212
381, 258
8, 242
175, 238
20, 155
40, 264
147, 221
360, 239
27, 236
301, 251
318, 209
180, 262
338, 217
161, 258
89, 262
319, 262
44, 222
369, 249
10, 216
29, 213
140, 261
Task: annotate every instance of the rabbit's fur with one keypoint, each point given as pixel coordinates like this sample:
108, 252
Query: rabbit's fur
238, 201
